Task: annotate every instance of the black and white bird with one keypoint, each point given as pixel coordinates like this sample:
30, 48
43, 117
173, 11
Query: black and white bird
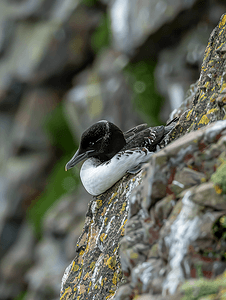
109, 153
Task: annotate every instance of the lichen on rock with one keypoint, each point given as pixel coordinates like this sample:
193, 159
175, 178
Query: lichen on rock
149, 233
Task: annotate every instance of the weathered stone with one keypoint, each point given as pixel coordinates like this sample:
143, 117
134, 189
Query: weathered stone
50, 43
186, 178
210, 86
66, 214
163, 209
97, 247
125, 292
49, 268
131, 33
16, 262
27, 131
24, 175
99, 93
171, 68
205, 194
143, 275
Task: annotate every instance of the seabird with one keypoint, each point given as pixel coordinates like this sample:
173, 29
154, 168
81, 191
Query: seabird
109, 153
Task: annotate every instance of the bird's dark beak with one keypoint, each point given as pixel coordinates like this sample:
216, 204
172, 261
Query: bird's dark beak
77, 158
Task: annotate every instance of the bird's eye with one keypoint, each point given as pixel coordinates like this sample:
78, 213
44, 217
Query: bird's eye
91, 143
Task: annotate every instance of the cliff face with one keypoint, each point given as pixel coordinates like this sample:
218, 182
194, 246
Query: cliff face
151, 232
65, 65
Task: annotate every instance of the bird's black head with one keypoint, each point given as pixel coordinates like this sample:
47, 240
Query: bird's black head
102, 140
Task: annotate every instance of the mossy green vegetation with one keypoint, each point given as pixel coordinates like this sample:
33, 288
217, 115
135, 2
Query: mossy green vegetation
219, 231
146, 100
59, 182
58, 132
90, 2
21, 296
101, 36
219, 177
196, 290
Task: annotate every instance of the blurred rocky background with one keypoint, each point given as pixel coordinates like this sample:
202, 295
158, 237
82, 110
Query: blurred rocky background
65, 64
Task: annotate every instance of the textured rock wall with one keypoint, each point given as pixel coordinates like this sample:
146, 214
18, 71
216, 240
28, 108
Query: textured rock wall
76, 62
176, 214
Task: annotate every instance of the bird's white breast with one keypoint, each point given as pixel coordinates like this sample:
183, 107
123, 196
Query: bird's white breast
97, 177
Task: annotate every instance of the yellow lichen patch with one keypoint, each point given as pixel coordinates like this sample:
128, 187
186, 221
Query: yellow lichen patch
80, 274
222, 221
203, 179
109, 296
134, 255
114, 195
67, 290
122, 228
207, 84
80, 259
86, 276
213, 97
116, 249
222, 22
102, 282
211, 111
81, 252
204, 120
111, 262
115, 278
218, 189
124, 223
123, 207
188, 114
75, 289
123, 231
104, 211
223, 87
78, 298
75, 267
103, 237
99, 203
105, 220
207, 51
92, 265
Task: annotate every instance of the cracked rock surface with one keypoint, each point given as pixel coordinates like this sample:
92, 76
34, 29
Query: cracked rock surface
150, 233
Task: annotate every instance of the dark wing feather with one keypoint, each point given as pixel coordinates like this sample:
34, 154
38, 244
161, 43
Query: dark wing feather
131, 133
148, 138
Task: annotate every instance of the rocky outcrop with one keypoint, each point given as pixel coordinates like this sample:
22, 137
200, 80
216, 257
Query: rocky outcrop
69, 64
151, 232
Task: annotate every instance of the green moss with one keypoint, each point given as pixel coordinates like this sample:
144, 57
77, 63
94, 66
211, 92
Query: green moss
21, 296
146, 100
202, 287
219, 177
90, 2
101, 36
57, 130
58, 182
219, 231
198, 268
